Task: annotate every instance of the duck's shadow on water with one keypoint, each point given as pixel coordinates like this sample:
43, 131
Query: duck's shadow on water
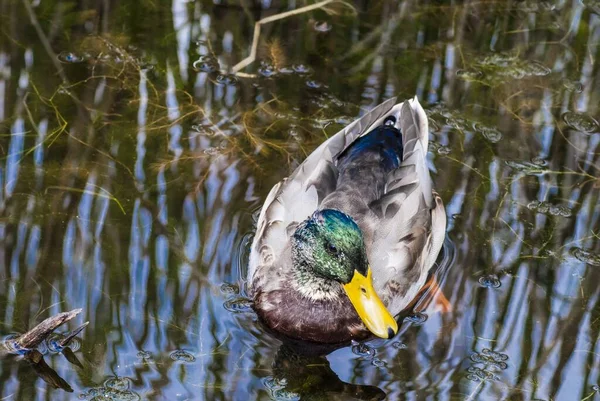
308, 376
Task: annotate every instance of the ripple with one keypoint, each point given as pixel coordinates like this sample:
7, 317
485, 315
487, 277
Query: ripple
586, 256
182, 356
490, 281
13, 347
239, 305
417, 318
70, 58
581, 122
55, 343
362, 349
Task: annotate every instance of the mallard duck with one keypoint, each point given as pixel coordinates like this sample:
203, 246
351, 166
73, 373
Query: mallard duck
346, 242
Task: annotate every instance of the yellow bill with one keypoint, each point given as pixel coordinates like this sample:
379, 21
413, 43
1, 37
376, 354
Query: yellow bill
369, 307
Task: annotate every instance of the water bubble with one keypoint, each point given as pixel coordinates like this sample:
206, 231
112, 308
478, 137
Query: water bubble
206, 64
362, 349
206, 130
536, 68
458, 123
490, 281
548, 208
433, 125
267, 70
144, 354
118, 383
470, 74
490, 359
277, 391
444, 150
285, 70
595, 388
573, 86
211, 151
227, 79
230, 289
581, 122
498, 59
321, 26
586, 256
417, 318
70, 58
539, 161
529, 168
478, 374
301, 69
496, 356
378, 363
313, 84
182, 356
399, 345
238, 305
491, 134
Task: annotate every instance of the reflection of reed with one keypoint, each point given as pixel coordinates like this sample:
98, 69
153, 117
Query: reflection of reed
110, 201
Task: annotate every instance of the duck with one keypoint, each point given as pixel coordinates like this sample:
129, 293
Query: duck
346, 243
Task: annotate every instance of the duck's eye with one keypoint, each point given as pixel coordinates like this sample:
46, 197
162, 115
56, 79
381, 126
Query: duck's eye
332, 248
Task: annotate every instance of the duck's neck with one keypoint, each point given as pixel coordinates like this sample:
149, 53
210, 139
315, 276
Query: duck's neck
310, 285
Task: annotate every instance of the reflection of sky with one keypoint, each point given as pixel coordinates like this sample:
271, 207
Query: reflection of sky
151, 279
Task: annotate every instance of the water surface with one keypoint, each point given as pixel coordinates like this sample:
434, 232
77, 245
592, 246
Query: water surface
133, 164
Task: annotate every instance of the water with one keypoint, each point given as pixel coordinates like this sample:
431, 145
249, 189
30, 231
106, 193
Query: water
133, 163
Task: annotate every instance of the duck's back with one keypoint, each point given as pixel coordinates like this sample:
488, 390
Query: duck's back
363, 169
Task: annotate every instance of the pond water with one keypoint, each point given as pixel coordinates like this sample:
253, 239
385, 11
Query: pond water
135, 156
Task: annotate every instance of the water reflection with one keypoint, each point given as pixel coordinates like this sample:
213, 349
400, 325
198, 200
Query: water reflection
133, 162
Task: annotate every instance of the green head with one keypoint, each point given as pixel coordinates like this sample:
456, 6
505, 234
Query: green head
328, 248
330, 245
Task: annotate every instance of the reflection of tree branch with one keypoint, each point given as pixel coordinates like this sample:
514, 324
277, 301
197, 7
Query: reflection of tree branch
45, 372
252, 57
44, 40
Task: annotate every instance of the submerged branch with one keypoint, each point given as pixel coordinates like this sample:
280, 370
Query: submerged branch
39, 333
